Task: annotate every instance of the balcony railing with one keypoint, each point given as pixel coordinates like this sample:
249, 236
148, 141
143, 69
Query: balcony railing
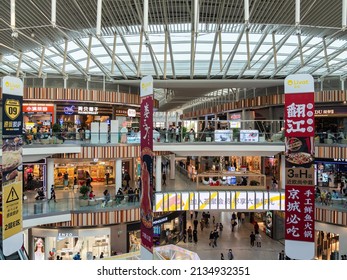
33, 208
248, 131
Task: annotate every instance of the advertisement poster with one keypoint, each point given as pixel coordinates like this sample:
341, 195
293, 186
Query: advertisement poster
39, 249
146, 127
249, 136
12, 169
223, 135
299, 166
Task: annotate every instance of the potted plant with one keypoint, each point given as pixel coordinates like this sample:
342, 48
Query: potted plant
236, 134
254, 183
56, 130
84, 195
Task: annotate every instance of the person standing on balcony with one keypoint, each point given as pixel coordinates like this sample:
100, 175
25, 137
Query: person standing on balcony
66, 180
52, 194
164, 179
177, 131
107, 175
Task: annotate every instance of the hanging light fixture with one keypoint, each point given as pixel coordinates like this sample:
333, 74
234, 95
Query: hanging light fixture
54, 13
98, 18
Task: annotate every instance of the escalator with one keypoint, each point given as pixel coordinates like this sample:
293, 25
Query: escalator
21, 254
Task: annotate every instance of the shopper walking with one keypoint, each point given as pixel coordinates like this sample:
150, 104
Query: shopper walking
52, 194
230, 254
252, 238
107, 176
190, 234
164, 179
66, 180
184, 235
211, 238
258, 239
195, 223
215, 237
195, 236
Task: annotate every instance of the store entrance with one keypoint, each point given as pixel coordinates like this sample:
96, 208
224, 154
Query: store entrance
327, 245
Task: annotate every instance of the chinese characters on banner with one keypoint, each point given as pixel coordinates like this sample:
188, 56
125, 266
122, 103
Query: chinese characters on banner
146, 128
299, 158
12, 170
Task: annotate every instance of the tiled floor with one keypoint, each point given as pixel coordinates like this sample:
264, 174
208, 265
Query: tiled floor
238, 241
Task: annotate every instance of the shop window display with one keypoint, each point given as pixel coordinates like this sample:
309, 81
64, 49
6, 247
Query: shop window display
33, 176
327, 246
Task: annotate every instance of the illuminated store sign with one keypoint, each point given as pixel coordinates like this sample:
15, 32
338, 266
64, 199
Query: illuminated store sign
226, 200
131, 113
87, 110
27, 108
69, 110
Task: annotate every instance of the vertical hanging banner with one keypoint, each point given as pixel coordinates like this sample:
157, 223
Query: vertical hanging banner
12, 149
299, 158
146, 127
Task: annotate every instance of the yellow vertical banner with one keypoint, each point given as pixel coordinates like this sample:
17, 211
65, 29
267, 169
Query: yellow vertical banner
12, 209
12, 168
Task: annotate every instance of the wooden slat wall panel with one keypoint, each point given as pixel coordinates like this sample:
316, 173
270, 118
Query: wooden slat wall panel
60, 94
330, 152
107, 152
331, 216
100, 218
274, 100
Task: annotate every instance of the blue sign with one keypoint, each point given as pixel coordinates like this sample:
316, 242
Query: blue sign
69, 110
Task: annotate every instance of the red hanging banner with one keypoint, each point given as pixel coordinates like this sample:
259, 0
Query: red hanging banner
299, 161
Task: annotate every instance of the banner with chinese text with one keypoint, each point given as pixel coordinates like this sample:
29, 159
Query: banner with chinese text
12, 167
299, 166
146, 128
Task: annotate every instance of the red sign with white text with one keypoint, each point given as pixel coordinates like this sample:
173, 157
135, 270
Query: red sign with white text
299, 217
299, 114
299, 159
146, 128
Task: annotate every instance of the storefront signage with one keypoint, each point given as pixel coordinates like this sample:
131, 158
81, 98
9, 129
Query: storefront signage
299, 163
235, 124
131, 113
63, 235
226, 200
249, 136
69, 110
340, 159
235, 117
27, 108
146, 129
324, 112
160, 221
87, 110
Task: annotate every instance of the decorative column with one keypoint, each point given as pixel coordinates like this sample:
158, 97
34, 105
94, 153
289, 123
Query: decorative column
50, 175
172, 166
282, 182
158, 174
118, 174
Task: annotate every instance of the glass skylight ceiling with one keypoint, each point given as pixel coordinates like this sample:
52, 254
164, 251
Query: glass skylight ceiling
233, 64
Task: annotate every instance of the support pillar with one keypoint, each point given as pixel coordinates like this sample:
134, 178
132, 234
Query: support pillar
172, 166
118, 173
282, 182
158, 173
50, 176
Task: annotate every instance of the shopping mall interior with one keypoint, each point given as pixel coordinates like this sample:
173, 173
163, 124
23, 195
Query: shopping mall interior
231, 138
